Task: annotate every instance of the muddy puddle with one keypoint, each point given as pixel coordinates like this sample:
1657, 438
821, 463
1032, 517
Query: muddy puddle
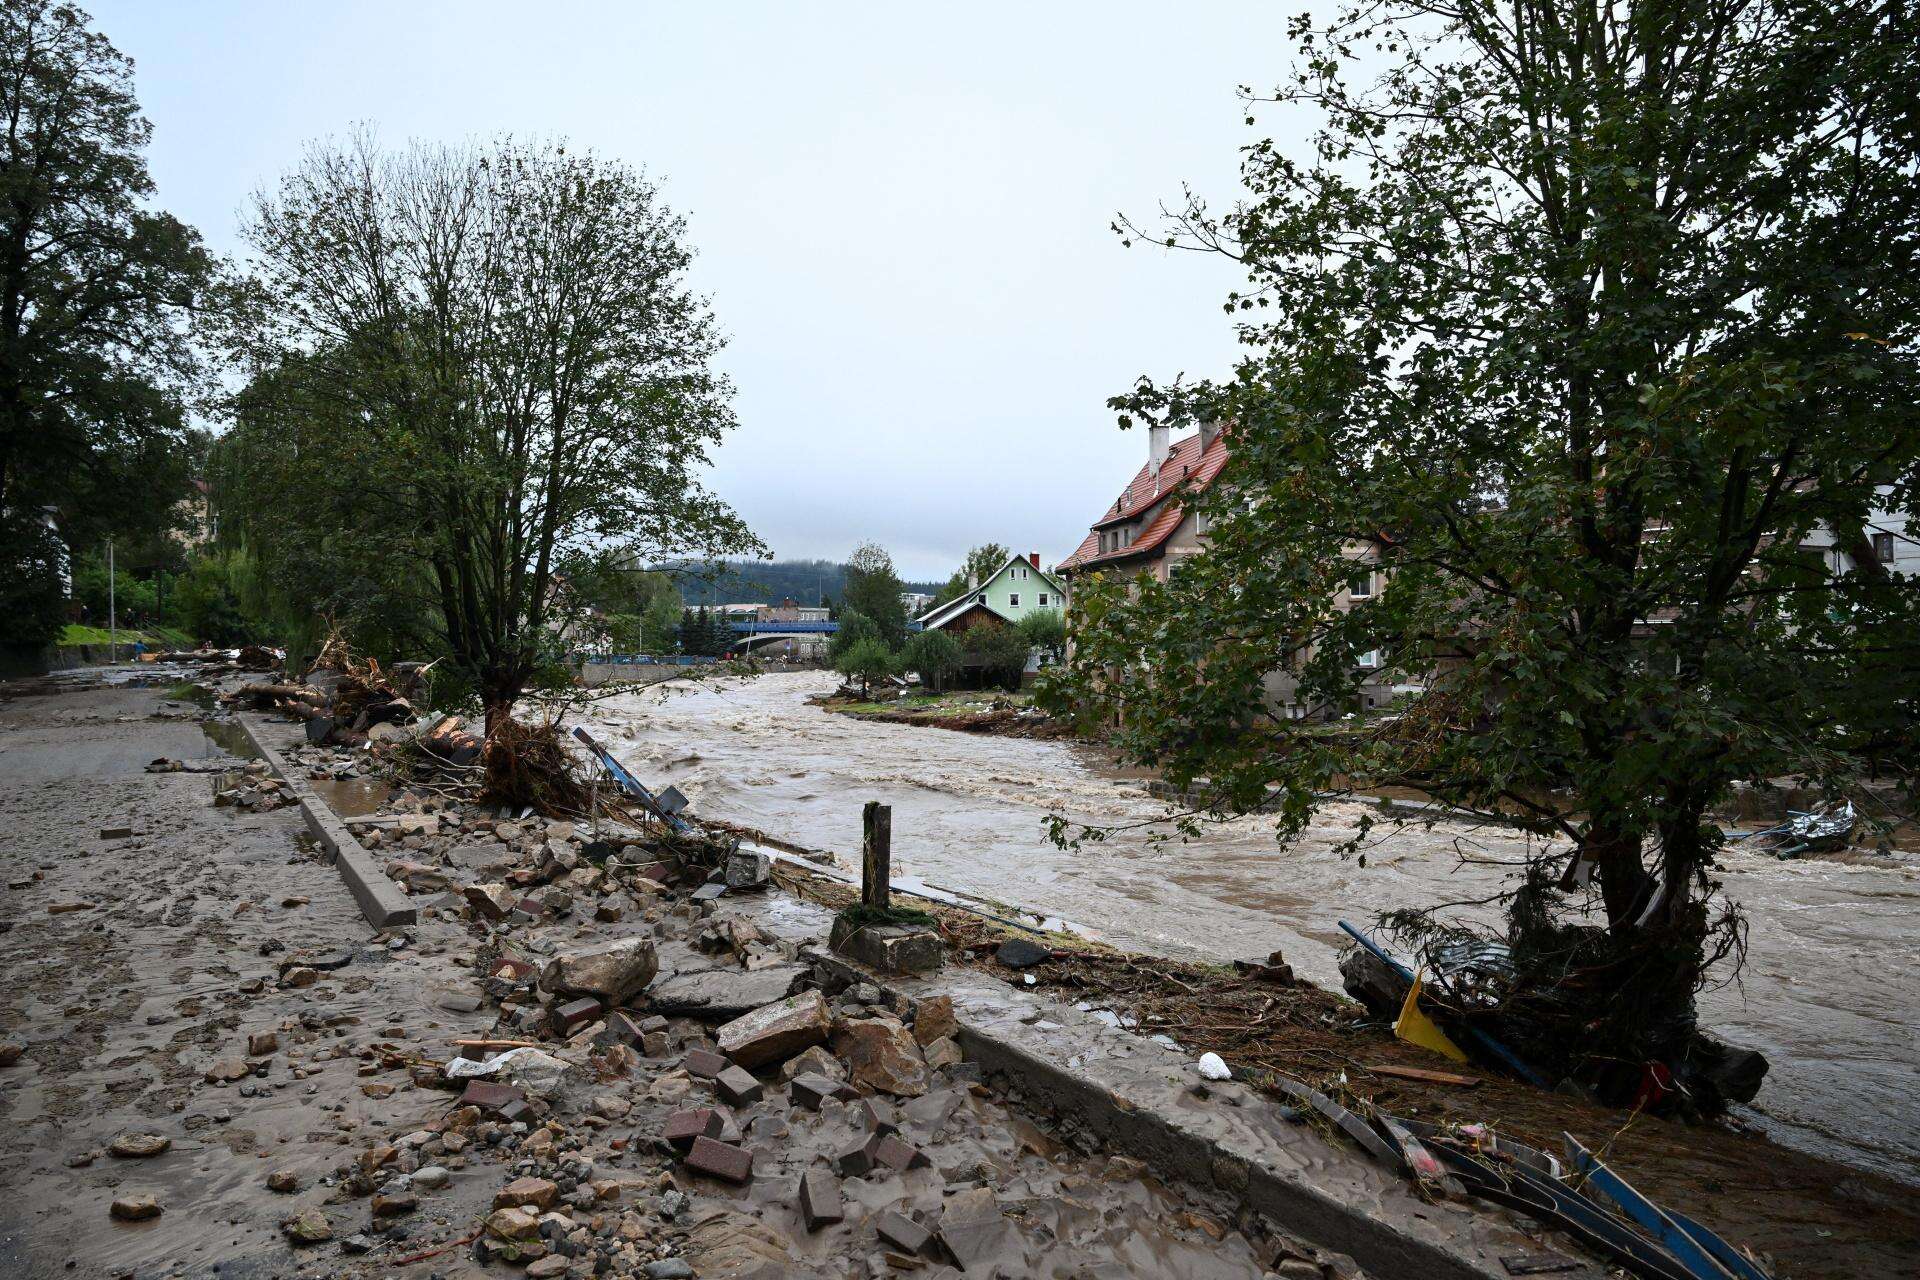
1829, 992
352, 797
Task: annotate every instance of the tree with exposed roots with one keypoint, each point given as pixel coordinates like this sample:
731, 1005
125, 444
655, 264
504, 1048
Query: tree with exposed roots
1595, 325
516, 370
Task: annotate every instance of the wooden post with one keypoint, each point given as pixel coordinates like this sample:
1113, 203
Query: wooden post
876, 855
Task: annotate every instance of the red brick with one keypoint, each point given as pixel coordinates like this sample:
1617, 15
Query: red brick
623, 1027
738, 1087
683, 1127
857, 1160
820, 1204
574, 1014
704, 1064
897, 1155
902, 1232
491, 1097
877, 1115
734, 1164
812, 1092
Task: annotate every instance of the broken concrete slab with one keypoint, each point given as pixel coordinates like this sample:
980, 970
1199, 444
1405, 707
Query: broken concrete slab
776, 1031
721, 994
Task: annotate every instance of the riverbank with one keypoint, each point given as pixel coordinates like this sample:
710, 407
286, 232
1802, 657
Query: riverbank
970, 815
1001, 714
1809, 1216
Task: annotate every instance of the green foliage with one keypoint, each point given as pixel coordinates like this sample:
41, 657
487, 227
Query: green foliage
861, 915
867, 661
1586, 384
96, 291
873, 590
981, 563
1045, 630
133, 600
659, 623
207, 600
510, 372
934, 654
999, 652
32, 604
855, 629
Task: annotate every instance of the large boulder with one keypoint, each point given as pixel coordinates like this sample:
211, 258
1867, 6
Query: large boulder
615, 972
881, 1054
775, 1032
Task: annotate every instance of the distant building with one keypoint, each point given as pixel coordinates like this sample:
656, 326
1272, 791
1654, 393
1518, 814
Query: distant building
1152, 529
916, 602
1019, 587
789, 611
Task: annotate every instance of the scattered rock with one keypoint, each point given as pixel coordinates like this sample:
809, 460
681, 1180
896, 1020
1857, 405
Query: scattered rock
135, 1208
285, 1181
139, 1146
538, 1192
941, 1054
776, 1031
881, 1055
309, 1226
513, 1224
615, 972
10, 1052
1019, 953
262, 1043
431, 1177
933, 1020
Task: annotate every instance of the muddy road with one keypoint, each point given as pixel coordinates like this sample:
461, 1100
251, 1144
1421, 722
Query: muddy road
1830, 992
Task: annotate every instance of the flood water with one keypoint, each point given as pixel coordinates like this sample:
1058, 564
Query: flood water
1830, 992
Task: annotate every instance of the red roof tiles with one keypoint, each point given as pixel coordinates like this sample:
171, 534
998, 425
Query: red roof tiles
1187, 467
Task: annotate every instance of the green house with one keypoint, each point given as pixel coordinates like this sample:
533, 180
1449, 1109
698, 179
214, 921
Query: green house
1019, 587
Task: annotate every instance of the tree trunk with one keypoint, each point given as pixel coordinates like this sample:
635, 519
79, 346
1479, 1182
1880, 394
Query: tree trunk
499, 690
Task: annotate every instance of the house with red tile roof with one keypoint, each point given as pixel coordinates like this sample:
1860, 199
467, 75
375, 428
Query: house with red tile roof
1150, 527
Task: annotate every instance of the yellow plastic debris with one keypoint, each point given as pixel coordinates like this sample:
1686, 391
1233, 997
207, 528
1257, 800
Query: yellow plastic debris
1415, 1027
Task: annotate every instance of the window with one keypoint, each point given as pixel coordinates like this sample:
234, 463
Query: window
1883, 547
981, 598
1043, 599
1021, 574
1013, 600
1360, 586
1370, 659
1199, 522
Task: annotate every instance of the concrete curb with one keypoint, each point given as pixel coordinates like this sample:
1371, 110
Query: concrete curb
381, 901
1136, 1098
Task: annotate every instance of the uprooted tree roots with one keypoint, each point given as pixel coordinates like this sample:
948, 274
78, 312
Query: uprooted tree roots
531, 766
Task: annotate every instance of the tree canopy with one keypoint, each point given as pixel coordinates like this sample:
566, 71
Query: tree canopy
1595, 325
873, 591
512, 368
96, 291
980, 564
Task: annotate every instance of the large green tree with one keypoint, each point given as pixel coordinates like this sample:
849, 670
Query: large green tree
980, 564
96, 288
515, 364
1595, 323
873, 591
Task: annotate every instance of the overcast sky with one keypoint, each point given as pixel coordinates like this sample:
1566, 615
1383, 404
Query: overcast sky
900, 212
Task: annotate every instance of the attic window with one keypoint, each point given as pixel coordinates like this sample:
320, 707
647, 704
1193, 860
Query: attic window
981, 598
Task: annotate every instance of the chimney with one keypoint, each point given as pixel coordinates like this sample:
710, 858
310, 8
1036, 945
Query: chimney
1033, 558
973, 581
1159, 445
1209, 432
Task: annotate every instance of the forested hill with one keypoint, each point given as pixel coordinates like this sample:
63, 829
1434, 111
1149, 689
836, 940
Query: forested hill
769, 582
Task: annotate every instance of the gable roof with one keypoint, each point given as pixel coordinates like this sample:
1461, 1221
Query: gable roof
929, 619
1188, 467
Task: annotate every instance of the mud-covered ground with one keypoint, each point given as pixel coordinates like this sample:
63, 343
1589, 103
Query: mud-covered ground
203, 1031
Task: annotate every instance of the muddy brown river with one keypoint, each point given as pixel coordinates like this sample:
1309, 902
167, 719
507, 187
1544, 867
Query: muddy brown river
1830, 992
